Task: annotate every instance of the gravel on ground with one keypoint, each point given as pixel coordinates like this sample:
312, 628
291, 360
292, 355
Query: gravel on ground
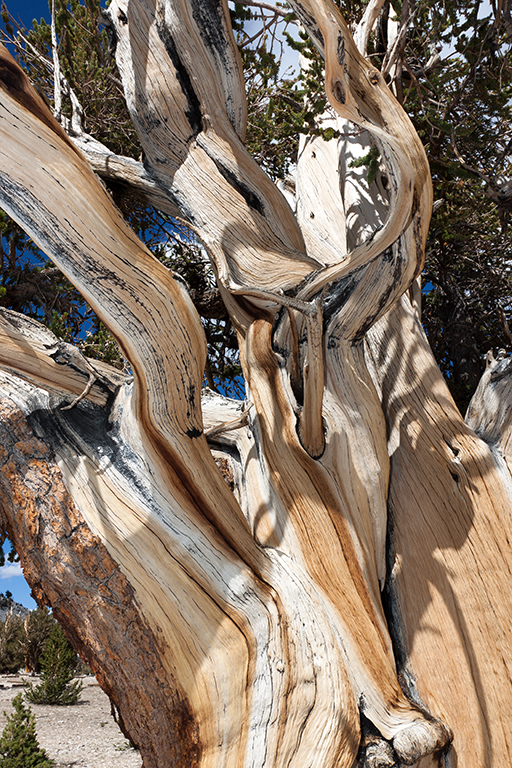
82, 735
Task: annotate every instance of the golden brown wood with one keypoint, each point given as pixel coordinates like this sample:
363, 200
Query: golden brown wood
450, 551
249, 544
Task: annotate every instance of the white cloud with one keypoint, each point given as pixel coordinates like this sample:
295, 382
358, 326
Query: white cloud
10, 570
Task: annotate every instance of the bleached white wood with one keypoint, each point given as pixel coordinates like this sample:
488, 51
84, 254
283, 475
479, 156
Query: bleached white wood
448, 588
126, 171
489, 412
367, 23
30, 350
249, 541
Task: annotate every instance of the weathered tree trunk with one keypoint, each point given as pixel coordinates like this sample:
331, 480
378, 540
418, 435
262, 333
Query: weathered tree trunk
221, 565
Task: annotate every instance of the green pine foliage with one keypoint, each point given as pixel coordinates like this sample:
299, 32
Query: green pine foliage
371, 161
22, 640
58, 668
19, 747
37, 627
11, 644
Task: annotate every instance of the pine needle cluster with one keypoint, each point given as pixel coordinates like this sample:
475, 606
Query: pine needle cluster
19, 747
58, 668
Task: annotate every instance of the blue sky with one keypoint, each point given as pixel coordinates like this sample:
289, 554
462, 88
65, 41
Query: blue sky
11, 575
27, 10
12, 580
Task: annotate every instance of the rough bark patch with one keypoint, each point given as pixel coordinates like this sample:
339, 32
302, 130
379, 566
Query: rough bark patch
70, 569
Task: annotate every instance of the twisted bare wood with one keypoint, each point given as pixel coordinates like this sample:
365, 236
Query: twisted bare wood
260, 597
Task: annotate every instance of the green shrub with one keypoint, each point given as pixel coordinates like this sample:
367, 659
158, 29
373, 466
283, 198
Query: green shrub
58, 667
18, 744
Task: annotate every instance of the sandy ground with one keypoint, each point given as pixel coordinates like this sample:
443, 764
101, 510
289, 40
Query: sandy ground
84, 734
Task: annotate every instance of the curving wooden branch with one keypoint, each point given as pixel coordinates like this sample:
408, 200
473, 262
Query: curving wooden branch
242, 551
126, 171
31, 351
488, 413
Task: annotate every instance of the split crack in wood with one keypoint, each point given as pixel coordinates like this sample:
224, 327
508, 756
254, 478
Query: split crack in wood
311, 429
227, 426
66, 354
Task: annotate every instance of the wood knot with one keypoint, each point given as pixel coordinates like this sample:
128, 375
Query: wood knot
373, 77
122, 17
338, 91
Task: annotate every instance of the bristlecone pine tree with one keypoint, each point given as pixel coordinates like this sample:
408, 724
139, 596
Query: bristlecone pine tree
58, 668
19, 747
344, 598
11, 644
37, 627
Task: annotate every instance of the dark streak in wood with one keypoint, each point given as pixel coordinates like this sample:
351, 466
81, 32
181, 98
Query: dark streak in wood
340, 49
110, 30
193, 113
338, 294
239, 186
209, 17
310, 24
